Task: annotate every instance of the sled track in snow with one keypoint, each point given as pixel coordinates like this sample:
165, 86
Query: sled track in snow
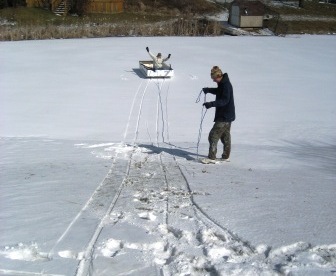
199, 213
182, 188
285, 260
221, 250
101, 203
164, 116
207, 219
159, 200
86, 262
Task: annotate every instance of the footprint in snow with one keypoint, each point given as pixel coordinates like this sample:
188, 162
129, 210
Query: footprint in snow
111, 247
24, 252
147, 215
68, 254
123, 78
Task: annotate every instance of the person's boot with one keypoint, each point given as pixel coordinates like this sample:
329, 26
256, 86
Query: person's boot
212, 156
226, 157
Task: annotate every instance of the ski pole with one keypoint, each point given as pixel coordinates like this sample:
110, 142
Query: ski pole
202, 118
199, 97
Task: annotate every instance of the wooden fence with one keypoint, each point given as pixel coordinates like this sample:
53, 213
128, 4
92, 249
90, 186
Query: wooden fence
105, 6
93, 6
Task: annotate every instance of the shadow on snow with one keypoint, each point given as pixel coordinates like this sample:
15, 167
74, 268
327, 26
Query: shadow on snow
172, 150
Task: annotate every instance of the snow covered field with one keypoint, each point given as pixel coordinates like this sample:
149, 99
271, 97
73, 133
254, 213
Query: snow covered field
99, 171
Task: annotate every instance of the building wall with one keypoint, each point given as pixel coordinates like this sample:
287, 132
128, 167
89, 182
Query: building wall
237, 19
235, 16
251, 22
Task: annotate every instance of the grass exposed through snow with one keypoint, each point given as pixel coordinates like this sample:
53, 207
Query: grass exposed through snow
313, 18
31, 23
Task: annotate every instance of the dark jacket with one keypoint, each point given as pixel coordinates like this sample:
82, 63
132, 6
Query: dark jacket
224, 103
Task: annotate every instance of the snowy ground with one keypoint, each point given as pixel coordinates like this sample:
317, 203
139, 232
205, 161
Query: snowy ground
99, 171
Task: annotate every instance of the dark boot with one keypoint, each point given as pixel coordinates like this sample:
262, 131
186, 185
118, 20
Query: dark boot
212, 156
227, 151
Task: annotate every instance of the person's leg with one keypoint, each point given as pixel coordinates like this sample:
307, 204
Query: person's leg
214, 136
226, 140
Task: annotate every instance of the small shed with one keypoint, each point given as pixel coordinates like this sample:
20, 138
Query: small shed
247, 14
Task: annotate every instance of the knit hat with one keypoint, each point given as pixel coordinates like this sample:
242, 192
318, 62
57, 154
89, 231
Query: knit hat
216, 72
159, 55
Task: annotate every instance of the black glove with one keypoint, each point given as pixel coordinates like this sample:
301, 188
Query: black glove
169, 55
208, 105
147, 49
205, 90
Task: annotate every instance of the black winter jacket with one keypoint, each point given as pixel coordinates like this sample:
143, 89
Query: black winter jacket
224, 103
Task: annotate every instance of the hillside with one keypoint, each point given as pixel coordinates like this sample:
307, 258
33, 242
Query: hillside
161, 18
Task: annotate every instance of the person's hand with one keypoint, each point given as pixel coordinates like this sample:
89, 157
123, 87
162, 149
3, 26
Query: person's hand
205, 90
147, 49
169, 55
208, 105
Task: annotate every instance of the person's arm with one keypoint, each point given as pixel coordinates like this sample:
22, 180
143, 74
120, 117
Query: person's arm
165, 59
224, 99
210, 90
151, 55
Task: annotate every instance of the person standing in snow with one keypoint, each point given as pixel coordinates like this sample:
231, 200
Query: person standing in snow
157, 60
224, 115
